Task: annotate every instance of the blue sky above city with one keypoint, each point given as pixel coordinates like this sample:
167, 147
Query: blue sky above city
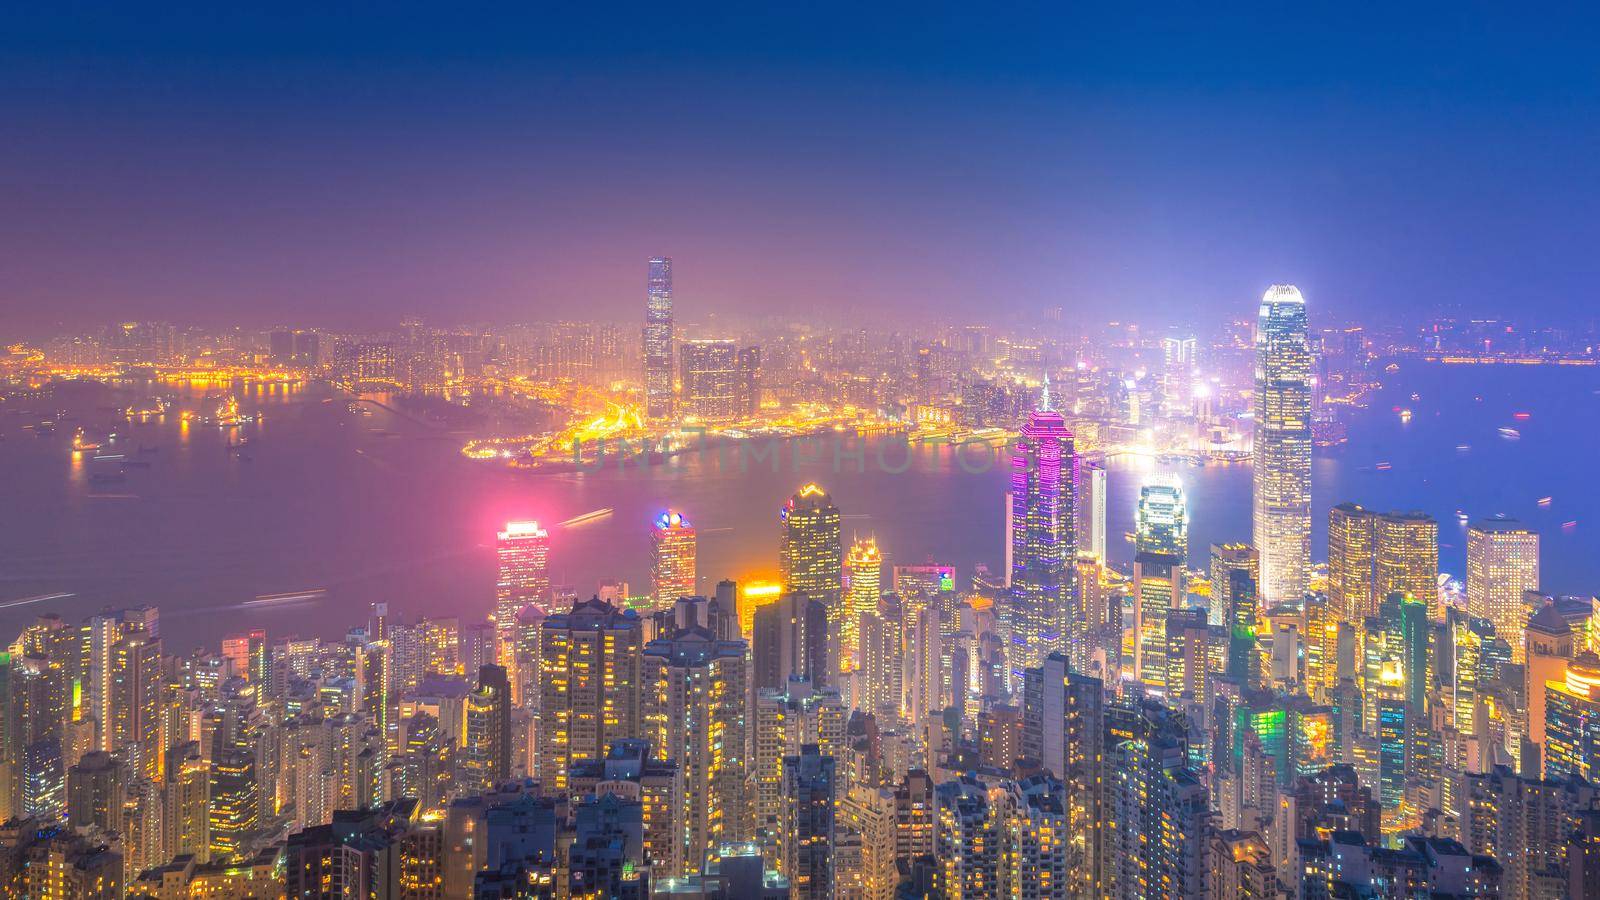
334, 168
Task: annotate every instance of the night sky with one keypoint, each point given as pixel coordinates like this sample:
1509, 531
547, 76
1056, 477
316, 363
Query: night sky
192, 162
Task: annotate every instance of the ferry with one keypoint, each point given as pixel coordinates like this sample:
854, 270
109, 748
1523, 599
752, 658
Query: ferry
143, 412
1522, 416
1462, 516
82, 442
1462, 448
587, 518
1510, 433
1405, 415
225, 413
1544, 501
1383, 467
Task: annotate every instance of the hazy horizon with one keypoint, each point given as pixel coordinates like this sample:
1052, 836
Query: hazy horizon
193, 164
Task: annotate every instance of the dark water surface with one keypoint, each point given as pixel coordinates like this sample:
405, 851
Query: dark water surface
382, 507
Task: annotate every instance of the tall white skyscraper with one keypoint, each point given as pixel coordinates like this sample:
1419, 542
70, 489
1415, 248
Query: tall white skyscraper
1281, 511
1091, 515
658, 346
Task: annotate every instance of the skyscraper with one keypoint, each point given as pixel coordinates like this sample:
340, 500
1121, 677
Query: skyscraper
1351, 555
712, 382
1372, 555
1225, 559
1161, 547
810, 556
488, 729
693, 710
1502, 563
1043, 538
789, 639
1163, 519
672, 558
589, 686
523, 554
1281, 508
1091, 514
234, 802
1572, 721
809, 789
866, 573
1408, 558
658, 344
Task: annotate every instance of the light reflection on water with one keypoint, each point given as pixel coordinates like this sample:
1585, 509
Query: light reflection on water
327, 500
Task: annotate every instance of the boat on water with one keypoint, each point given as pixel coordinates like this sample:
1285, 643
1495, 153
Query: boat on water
1544, 501
1405, 415
1461, 515
1510, 433
82, 442
1463, 447
1383, 466
224, 412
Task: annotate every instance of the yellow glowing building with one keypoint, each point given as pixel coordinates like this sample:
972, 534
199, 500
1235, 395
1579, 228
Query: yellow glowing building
810, 556
866, 572
1352, 554
1408, 558
1502, 563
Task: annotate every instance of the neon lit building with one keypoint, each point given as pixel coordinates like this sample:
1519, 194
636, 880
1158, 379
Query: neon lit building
523, 554
658, 345
1572, 721
672, 558
1043, 539
1281, 510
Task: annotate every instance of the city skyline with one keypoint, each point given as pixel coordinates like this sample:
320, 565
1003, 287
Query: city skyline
799, 454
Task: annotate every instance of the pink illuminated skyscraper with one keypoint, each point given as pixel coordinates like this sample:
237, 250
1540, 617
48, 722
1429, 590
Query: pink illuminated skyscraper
1043, 542
523, 554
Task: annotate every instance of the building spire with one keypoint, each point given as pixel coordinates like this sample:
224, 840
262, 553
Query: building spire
1044, 398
